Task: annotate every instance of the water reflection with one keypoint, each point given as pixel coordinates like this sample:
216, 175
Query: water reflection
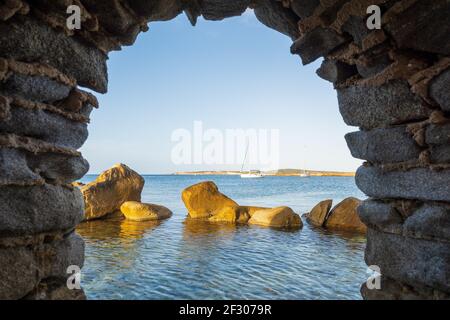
116, 227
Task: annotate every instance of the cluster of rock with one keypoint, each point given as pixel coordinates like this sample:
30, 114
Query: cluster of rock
392, 83
205, 201
343, 216
118, 190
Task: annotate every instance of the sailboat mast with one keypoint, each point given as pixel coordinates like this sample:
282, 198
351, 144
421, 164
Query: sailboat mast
245, 157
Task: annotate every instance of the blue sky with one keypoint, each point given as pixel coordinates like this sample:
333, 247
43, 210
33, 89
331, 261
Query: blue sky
235, 73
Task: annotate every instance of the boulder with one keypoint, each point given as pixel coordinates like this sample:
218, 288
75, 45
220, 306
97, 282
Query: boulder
203, 200
344, 216
138, 211
110, 190
319, 213
280, 217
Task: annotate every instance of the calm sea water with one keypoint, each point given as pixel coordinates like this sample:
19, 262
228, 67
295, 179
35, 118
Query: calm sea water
181, 259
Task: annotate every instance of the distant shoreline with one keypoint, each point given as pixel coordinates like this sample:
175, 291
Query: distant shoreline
279, 173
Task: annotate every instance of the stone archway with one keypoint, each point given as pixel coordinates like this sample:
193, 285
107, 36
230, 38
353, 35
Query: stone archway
392, 83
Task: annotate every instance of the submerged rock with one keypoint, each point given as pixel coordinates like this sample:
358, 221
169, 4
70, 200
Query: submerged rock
138, 211
344, 216
319, 213
280, 217
110, 190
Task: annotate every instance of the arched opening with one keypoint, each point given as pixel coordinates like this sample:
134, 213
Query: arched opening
218, 73
391, 83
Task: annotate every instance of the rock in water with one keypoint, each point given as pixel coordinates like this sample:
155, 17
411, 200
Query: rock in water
345, 217
203, 200
138, 211
319, 213
110, 190
280, 217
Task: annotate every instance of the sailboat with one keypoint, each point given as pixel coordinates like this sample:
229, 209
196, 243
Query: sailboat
252, 174
304, 173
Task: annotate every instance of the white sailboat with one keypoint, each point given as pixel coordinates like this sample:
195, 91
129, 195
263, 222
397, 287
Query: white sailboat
304, 173
252, 174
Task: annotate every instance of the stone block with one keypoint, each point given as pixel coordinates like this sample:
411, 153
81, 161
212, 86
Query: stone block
336, 71
29, 40
369, 107
45, 125
317, 43
440, 90
273, 15
423, 27
420, 183
37, 209
384, 145
22, 268
411, 261
35, 88
380, 215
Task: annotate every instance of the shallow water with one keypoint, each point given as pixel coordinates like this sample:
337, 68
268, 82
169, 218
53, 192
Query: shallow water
183, 259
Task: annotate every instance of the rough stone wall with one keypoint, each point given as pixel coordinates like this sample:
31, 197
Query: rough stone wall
392, 83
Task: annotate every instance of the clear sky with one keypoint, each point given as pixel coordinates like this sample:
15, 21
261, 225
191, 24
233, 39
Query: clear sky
229, 74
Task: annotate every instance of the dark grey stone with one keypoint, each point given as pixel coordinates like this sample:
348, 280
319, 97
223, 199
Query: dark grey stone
14, 168
357, 28
429, 222
36, 88
21, 268
423, 26
394, 290
380, 215
411, 261
369, 107
18, 272
336, 71
58, 168
29, 40
157, 10
317, 43
419, 183
384, 145
221, 9
440, 154
37, 209
440, 90
273, 15
377, 59
46, 126
20, 167
437, 134
304, 8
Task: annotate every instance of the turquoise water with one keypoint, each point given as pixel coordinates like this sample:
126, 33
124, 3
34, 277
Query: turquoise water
178, 259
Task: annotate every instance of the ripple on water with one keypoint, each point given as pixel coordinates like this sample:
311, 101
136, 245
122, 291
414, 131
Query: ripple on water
184, 259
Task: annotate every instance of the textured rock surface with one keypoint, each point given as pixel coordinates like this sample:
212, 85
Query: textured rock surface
110, 190
204, 200
280, 217
370, 107
414, 261
421, 183
440, 90
384, 145
319, 213
138, 211
345, 217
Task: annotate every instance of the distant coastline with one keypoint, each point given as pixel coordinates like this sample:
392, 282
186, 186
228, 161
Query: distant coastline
278, 173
